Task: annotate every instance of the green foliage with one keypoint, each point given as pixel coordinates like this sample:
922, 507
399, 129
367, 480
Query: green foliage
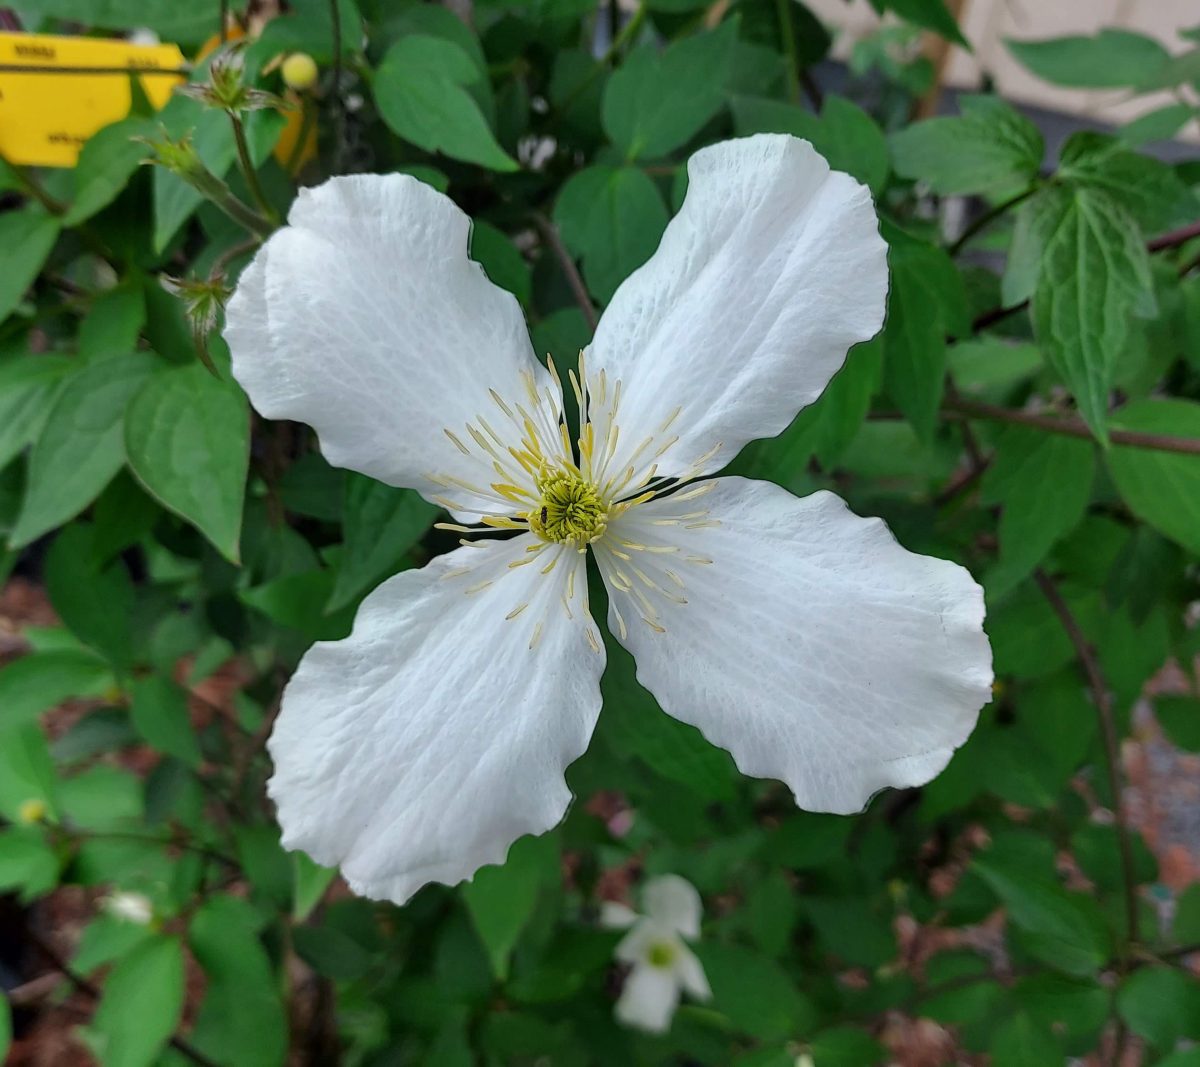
1031, 409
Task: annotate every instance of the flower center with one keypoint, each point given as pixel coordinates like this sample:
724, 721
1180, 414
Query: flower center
660, 954
570, 509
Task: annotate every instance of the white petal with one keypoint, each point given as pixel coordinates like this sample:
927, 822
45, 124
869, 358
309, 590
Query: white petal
674, 902
649, 999
770, 272
811, 645
364, 318
419, 748
616, 916
690, 974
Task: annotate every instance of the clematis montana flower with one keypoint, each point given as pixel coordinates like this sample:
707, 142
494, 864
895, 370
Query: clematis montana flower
793, 633
662, 966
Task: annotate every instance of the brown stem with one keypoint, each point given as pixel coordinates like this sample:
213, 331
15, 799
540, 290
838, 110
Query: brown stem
1071, 427
1102, 698
551, 239
1174, 238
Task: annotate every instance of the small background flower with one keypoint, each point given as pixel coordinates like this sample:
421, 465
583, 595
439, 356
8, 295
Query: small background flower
661, 966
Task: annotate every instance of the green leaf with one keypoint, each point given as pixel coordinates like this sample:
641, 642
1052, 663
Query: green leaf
159, 710
843, 133
1043, 482
1113, 59
188, 438
309, 882
27, 236
1023, 1042
106, 163
925, 303
381, 526
307, 26
1094, 277
502, 260
1160, 488
1162, 1005
113, 322
141, 1005
94, 601
241, 1020
331, 952
1073, 1009
28, 386
172, 21
612, 218
844, 1046
80, 448
990, 148
28, 863
657, 102
501, 900
1185, 927
1161, 124
5, 1027
1067, 930
421, 88
38, 681
299, 601
932, 14
1180, 719
1147, 188
636, 727
754, 992
26, 770
985, 363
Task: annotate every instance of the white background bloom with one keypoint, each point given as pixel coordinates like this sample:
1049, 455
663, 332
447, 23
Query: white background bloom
132, 907
661, 964
797, 635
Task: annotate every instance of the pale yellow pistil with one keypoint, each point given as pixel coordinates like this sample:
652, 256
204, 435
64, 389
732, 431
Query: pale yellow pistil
570, 509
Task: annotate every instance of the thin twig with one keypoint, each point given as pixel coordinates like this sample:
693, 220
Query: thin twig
1102, 698
987, 218
1071, 427
1174, 238
551, 239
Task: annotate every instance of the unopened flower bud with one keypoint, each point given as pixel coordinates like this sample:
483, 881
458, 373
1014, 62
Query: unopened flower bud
299, 71
226, 87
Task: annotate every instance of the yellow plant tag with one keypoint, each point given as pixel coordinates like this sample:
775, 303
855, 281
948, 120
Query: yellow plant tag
55, 92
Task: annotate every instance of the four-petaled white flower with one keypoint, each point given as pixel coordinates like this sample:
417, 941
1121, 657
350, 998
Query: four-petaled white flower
797, 635
661, 964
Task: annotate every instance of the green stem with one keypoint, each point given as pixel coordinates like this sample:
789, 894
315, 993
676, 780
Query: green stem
339, 112
628, 32
787, 37
987, 218
243, 151
30, 186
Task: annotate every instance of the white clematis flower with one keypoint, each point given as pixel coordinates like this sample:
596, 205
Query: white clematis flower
662, 966
793, 633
